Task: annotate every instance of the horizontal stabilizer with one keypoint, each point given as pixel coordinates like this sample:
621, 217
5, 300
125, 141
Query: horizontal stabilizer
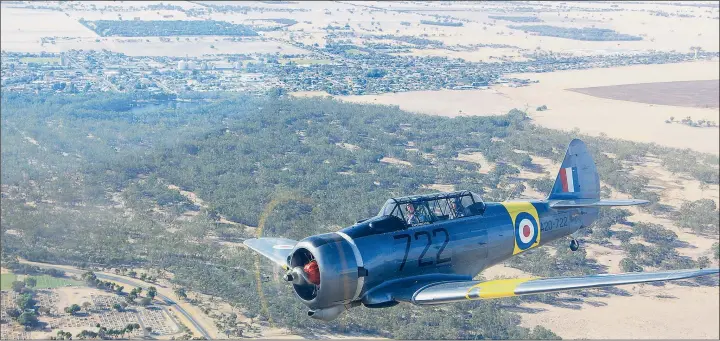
578, 203
440, 293
275, 249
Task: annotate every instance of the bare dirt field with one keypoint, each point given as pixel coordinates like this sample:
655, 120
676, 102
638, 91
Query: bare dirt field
450, 103
699, 94
569, 109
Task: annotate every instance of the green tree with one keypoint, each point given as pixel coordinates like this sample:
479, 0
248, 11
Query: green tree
628, 265
12, 312
25, 301
180, 292
27, 318
117, 307
542, 333
72, 309
18, 286
703, 262
151, 292
30, 282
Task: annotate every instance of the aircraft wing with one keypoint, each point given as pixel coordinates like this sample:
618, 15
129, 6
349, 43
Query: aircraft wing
275, 249
449, 292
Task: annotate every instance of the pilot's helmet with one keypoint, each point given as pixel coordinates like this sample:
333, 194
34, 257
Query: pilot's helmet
410, 207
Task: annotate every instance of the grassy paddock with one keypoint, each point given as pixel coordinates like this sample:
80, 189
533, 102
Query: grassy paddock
43, 281
6, 281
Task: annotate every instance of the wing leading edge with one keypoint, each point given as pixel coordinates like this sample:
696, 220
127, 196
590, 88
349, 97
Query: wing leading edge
275, 249
468, 290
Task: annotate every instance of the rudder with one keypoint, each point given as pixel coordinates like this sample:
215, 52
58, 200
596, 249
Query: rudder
578, 177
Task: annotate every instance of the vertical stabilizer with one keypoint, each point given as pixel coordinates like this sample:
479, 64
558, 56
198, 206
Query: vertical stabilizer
578, 177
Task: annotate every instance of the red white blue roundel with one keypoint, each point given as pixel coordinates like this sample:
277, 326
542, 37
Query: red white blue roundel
526, 230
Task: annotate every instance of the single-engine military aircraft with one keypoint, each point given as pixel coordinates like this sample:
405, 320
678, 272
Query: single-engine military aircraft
426, 249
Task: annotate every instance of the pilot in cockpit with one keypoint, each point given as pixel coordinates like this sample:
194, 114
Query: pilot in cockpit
457, 207
417, 215
412, 218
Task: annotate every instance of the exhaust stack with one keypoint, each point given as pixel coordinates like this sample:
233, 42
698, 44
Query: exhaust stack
327, 314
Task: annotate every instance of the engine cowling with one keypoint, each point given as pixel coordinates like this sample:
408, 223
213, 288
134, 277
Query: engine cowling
325, 271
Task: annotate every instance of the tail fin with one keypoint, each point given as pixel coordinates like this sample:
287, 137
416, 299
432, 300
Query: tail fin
578, 183
578, 177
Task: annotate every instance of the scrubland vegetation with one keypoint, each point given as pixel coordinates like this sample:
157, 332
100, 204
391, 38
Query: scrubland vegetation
87, 181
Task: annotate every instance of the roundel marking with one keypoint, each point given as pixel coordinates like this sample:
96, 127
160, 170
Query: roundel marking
526, 230
283, 247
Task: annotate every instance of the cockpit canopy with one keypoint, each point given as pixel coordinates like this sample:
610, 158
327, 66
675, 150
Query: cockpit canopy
401, 213
429, 208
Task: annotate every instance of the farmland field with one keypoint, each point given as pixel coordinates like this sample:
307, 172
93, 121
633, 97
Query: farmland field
6, 281
41, 60
701, 94
43, 282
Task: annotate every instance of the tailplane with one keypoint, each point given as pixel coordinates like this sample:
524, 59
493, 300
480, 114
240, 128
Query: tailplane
578, 183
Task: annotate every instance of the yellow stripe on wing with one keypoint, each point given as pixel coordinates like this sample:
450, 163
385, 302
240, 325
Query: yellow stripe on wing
495, 289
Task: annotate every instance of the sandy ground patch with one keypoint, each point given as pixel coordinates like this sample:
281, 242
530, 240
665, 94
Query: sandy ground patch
76, 295
694, 245
605, 256
449, 103
686, 313
394, 161
478, 55
22, 29
310, 94
348, 146
477, 157
568, 110
658, 32
503, 271
550, 167
530, 192
440, 187
621, 119
675, 188
199, 202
